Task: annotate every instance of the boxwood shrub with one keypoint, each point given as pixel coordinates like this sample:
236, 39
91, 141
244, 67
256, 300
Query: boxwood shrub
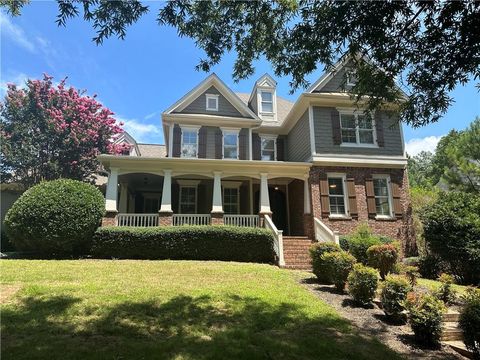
393, 296
338, 265
226, 243
362, 284
319, 266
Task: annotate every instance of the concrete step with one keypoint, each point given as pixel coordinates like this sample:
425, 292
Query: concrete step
451, 316
451, 331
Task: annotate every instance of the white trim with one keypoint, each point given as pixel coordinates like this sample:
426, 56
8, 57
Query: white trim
360, 160
231, 184
355, 113
389, 194
188, 128
230, 131
342, 176
311, 127
211, 97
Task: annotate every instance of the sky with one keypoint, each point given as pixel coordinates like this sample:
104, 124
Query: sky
142, 75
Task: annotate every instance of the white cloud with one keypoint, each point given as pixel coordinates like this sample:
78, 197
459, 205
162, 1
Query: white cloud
141, 132
417, 145
15, 33
151, 115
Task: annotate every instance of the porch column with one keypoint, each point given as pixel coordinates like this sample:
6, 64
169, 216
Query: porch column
122, 206
264, 198
308, 226
306, 196
165, 213
111, 212
217, 205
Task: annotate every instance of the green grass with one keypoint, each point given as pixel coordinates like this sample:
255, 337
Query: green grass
84, 309
434, 285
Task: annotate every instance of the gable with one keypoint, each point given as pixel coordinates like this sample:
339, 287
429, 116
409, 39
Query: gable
333, 81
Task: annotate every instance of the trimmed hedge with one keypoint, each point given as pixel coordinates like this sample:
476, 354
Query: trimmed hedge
362, 283
319, 267
227, 243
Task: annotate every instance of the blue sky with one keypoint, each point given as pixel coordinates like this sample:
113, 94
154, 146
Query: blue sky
139, 77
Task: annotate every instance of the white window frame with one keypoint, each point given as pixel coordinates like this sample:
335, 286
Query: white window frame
389, 191
192, 129
272, 93
232, 185
349, 73
357, 129
187, 184
345, 194
269, 137
230, 131
211, 97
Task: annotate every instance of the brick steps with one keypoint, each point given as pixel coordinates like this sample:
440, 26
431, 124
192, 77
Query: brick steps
295, 252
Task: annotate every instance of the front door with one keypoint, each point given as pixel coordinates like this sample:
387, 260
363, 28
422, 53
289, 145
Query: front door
278, 206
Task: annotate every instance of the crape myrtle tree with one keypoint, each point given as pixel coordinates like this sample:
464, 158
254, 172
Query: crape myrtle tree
429, 47
52, 131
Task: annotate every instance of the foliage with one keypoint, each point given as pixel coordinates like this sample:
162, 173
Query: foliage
318, 265
470, 321
55, 218
359, 242
452, 232
52, 131
362, 283
228, 243
338, 265
5, 243
412, 274
430, 266
383, 258
394, 294
446, 292
420, 170
425, 317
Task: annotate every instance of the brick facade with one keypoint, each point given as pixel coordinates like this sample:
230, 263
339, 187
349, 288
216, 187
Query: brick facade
217, 218
110, 218
397, 228
165, 218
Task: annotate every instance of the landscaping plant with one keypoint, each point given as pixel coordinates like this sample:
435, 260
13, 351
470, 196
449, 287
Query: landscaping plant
319, 267
446, 292
430, 266
470, 321
361, 239
338, 265
412, 274
383, 258
363, 283
393, 296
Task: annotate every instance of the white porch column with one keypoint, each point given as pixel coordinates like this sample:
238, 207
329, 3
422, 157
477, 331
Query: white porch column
264, 198
217, 206
112, 189
122, 206
306, 196
166, 206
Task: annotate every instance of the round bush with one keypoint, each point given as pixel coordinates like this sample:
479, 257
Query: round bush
470, 321
394, 293
425, 314
55, 218
360, 241
363, 283
338, 265
383, 258
318, 265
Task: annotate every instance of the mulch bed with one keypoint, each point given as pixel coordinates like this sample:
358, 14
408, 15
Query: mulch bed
372, 321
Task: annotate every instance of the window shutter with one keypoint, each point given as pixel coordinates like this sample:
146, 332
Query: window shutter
202, 142
280, 149
218, 144
324, 200
337, 134
242, 146
379, 126
371, 208
177, 141
256, 147
352, 198
397, 205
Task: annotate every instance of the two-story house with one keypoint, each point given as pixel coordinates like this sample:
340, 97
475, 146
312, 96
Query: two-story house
308, 170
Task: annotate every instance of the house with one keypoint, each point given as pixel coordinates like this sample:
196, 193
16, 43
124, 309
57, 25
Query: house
312, 169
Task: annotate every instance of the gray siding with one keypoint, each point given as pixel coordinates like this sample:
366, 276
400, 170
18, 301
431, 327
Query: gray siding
198, 106
253, 104
298, 140
322, 124
211, 132
337, 83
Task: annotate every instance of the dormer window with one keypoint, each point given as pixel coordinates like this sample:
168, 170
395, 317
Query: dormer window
266, 101
212, 102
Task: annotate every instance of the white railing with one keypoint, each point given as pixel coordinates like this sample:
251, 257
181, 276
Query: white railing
323, 233
191, 219
241, 220
139, 220
278, 239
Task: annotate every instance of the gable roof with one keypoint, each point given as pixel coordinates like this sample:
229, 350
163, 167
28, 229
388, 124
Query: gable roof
212, 80
152, 150
283, 106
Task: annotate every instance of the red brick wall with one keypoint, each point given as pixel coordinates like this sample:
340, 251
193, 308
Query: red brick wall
400, 229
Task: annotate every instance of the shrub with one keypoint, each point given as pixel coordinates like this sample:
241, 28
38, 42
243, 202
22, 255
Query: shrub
452, 232
470, 321
338, 265
411, 261
445, 292
360, 241
228, 243
393, 295
318, 265
425, 317
383, 258
55, 218
411, 273
363, 283
430, 266
343, 240
5, 243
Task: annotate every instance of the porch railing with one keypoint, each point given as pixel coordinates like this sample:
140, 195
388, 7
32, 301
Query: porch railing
241, 220
139, 220
323, 233
278, 239
191, 219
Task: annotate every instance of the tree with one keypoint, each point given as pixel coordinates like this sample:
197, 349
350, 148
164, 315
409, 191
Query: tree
420, 170
430, 46
49, 132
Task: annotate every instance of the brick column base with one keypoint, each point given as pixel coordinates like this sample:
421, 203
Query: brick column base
110, 218
308, 226
262, 218
217, 218
165, 218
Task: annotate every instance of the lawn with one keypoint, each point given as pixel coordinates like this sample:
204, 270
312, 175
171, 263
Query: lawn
85, 309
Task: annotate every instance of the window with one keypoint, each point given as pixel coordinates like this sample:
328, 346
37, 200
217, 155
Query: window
212, 102
189, 142
267, 101
231, 200
357, 129
351, 77
188, 199
268, 145
151, 204
381, 190
336, 195
230, 144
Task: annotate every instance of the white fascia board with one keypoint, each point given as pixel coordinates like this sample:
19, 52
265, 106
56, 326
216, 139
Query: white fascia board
208, 119
360, 160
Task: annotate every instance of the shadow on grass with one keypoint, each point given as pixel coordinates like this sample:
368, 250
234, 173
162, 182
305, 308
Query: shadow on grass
183, 327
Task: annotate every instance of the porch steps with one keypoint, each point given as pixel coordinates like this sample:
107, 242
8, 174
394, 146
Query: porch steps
295, 252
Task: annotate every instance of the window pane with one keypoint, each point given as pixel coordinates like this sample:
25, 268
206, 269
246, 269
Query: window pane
230, 139
380, 187
366, 136
337, 205
364, 122
266, 96
348, 121
268, 155
212, 103
230, 152
267, 106
382, 206
268, 144
335, 186
349, 136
